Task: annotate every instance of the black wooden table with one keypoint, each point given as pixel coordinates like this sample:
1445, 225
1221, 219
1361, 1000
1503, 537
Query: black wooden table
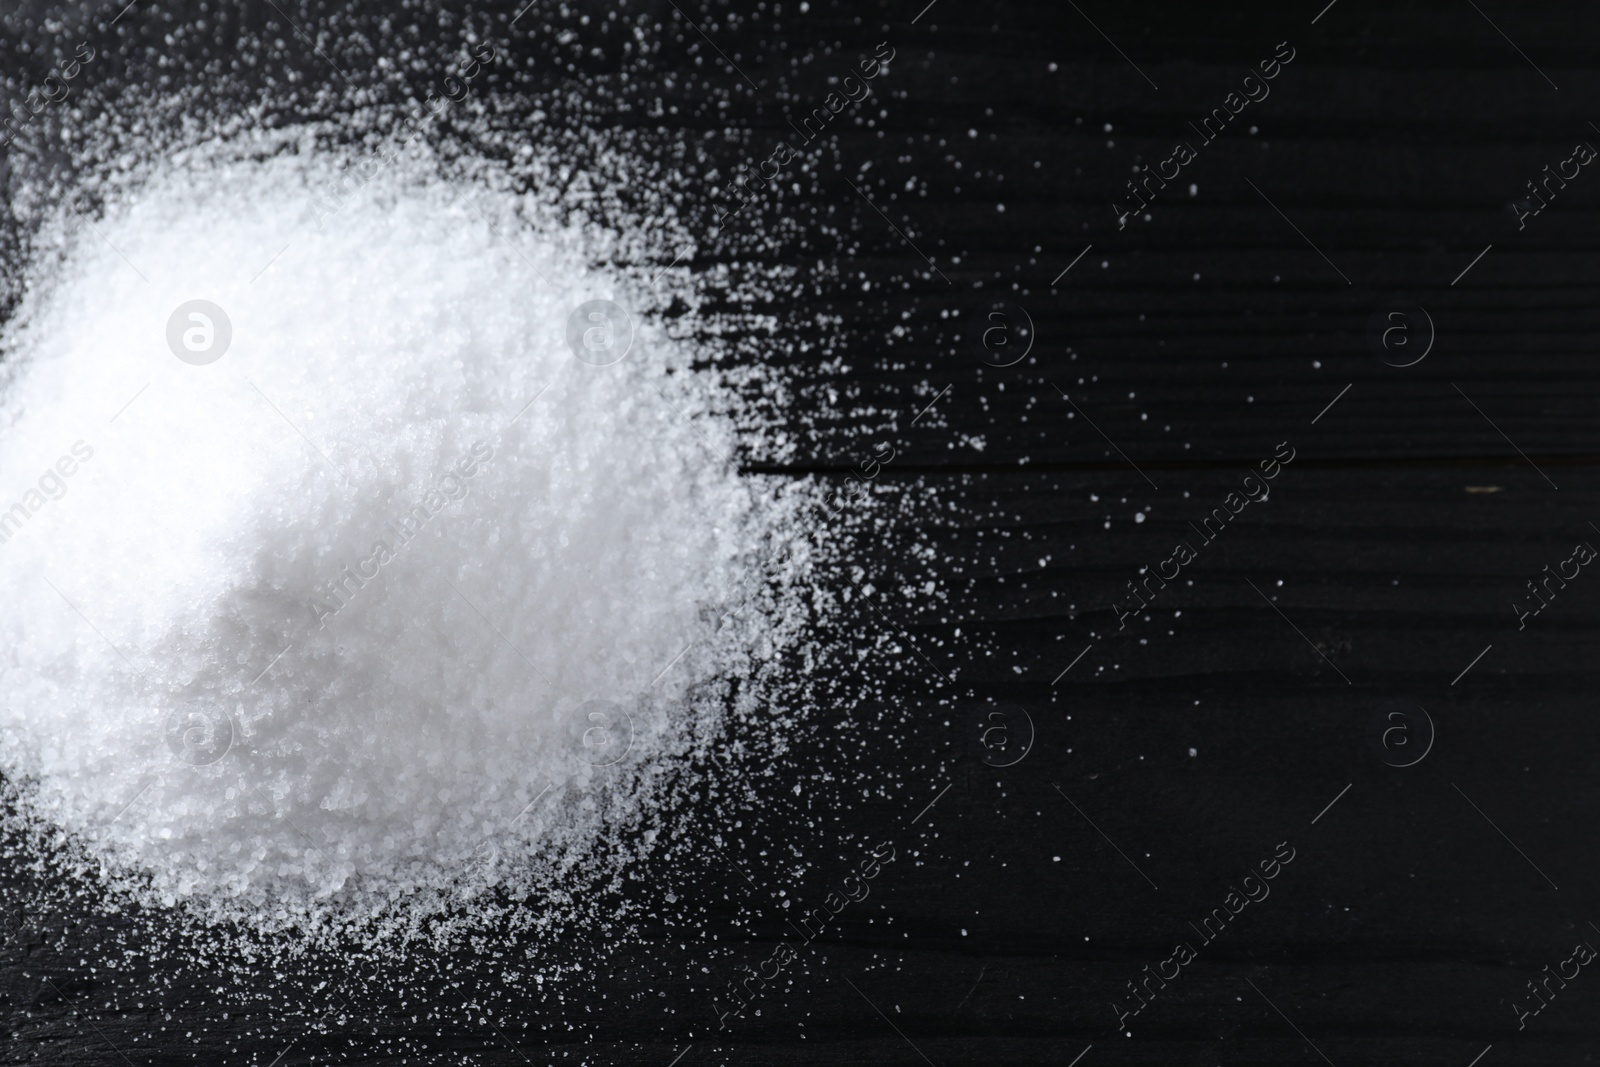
1312, 788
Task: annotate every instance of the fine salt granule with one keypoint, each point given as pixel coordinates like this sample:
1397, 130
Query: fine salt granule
411, 593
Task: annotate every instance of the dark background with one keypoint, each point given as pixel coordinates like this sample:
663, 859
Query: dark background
1217, 724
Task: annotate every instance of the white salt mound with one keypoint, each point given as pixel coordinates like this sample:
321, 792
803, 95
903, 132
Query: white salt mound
395, 597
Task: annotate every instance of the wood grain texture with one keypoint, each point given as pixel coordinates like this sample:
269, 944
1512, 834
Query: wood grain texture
1215, 725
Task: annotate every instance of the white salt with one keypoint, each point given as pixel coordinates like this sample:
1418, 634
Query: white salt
397, 599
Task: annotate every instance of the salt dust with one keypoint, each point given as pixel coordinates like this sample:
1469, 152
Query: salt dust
403, 606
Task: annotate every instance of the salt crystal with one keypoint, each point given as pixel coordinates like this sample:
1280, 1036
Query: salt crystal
411, 591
